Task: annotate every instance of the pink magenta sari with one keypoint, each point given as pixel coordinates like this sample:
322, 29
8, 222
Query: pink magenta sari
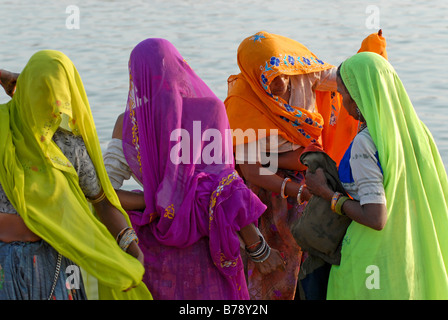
188, 231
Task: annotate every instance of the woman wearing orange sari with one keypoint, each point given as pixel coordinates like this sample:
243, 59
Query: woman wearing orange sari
284, 99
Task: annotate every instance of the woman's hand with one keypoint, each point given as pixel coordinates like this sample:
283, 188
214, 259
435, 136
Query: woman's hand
8, 81
372, 215
316, 184
252, 239
273, 262
135, 251
306, 194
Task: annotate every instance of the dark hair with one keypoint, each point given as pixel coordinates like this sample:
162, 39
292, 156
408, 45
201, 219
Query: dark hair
338, 75
338, 72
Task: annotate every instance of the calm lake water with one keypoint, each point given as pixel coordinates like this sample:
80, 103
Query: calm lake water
207, 34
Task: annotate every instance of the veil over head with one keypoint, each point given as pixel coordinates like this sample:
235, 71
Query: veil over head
177, 143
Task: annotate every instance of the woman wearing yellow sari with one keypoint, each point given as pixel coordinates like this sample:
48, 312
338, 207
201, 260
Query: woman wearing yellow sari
47, 226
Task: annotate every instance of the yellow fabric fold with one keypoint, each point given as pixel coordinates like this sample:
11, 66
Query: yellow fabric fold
43, 185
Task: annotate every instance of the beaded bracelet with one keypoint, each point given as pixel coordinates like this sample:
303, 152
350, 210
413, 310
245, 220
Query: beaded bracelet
282, 191
334, 200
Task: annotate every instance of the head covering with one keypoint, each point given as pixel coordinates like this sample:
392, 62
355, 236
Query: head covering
43, 185
375, 42
177, 143
250, 103
339, 127
408, 259
251, 106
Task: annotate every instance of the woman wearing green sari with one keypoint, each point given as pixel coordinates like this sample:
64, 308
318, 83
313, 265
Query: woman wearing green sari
50, 164
397, 244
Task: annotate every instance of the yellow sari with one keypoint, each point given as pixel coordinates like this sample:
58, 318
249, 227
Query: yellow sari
42, 184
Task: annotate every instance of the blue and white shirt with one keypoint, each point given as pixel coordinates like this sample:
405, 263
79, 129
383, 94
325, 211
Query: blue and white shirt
360, 170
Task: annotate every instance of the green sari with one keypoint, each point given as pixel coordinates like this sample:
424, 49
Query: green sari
43, 185
408, 259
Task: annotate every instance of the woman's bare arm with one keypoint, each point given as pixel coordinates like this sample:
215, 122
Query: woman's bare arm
372, 215
115, 222
130, 201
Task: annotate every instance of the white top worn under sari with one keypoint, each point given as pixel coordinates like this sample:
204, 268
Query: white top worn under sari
303, 94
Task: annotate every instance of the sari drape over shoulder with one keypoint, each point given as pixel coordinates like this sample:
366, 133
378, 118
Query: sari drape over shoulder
408, 259
177, 143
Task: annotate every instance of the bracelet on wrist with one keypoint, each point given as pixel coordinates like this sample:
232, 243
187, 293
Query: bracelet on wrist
299, 194
125, 238
261, 253
253, 246
98, 199
334, 200
282, 190
339, 204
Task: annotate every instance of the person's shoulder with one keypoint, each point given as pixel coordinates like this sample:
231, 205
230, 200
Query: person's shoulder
363, 143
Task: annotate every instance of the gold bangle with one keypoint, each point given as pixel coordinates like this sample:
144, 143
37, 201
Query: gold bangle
99, 199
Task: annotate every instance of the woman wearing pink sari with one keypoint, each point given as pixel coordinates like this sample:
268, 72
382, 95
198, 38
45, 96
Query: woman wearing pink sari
195, 206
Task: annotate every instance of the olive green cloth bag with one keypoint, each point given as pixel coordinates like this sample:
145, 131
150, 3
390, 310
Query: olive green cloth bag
320, 230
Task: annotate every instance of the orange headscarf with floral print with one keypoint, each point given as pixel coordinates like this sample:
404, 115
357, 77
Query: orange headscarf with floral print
251, 105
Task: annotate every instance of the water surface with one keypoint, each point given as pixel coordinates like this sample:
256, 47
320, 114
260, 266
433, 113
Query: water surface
207, 34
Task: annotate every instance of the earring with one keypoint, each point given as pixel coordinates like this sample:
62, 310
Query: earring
361, 121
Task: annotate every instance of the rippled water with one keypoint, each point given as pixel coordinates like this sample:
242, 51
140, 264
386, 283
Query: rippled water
207, 33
